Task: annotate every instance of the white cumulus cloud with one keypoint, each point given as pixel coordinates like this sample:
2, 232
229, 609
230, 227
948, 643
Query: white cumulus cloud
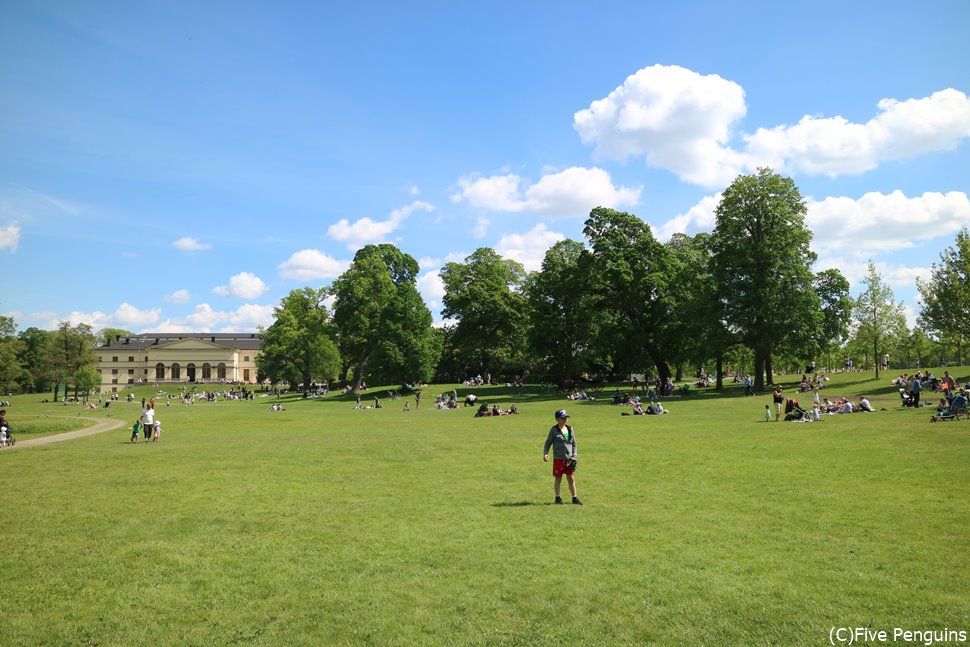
685, 122
574, 191
700, 217
189, 244
312, 265
366, 231
431, 288
244, 285
529, 248
678, 119
834, 145
876, 223
204, 318
179, 296
10, 237
125, 316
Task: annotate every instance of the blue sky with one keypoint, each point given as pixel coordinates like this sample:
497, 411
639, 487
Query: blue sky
181, 166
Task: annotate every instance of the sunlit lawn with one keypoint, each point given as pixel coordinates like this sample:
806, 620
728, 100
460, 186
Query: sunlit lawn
323, 525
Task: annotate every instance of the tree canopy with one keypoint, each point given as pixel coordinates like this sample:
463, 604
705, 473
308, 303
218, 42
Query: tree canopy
762, 267
946, 296
877, 316
379, 315
485, 295
298, 347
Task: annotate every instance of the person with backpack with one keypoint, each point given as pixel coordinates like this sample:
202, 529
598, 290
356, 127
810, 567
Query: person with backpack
562, 440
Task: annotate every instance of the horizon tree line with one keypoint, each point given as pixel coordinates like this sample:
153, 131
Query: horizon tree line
742, 297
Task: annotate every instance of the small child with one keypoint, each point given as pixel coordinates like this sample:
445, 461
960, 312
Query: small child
767, 413
158, 430
407, 407
135, 430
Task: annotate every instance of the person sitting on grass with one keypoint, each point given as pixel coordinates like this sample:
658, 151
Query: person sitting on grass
865, 406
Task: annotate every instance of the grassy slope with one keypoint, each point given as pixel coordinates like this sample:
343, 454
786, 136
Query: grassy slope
325, 525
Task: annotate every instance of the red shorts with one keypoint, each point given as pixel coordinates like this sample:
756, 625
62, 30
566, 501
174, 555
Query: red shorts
559, 467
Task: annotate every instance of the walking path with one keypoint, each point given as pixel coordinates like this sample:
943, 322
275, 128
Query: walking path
97, 428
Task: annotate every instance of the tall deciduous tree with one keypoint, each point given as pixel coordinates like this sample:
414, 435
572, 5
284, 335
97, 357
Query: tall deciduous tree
485, 295
72, 347
833, 291
10, 348
379, 314
298, 346
629, 278
762, 266
877, 316
946, 296
563, 318
33, 356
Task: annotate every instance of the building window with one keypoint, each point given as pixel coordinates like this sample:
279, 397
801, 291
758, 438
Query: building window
130, 381
176, 372
221, 371
114, 371
131, 358
114, 359
206, 371
159, 371
246, 374
131, 371
114, 381
245, 358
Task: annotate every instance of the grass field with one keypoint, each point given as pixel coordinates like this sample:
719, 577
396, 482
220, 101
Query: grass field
322, 525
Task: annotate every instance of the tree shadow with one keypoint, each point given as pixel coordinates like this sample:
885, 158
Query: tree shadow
516, 504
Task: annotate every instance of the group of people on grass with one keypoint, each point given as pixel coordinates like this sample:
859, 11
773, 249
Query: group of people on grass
484, 411
791, 410
147, 424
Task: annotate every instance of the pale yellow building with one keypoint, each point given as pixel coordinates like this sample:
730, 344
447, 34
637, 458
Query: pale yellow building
186, 358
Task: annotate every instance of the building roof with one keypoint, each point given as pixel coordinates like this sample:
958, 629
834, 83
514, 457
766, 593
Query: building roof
241, 341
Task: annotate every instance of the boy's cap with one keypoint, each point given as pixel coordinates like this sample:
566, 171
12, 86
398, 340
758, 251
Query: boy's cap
561, 413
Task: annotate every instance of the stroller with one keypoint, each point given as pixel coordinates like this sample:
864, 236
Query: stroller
793, 412
906, 397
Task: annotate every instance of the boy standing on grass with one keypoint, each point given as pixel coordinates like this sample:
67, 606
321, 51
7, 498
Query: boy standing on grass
562, 439
135, 429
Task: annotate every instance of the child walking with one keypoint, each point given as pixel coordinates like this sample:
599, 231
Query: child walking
135, 429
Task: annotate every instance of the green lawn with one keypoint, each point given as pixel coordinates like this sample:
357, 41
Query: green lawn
322, 525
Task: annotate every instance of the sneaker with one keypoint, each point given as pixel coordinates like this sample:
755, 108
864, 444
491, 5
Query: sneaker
576, 501
558, 500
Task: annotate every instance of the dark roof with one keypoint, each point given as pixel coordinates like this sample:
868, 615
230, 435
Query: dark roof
242, 340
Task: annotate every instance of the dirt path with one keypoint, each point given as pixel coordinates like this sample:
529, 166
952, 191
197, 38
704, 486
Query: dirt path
96, 428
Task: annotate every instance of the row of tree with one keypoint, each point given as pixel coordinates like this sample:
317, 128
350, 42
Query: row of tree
743, 297
38, 360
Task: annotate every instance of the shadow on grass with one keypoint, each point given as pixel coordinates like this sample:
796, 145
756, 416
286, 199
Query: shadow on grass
516, 504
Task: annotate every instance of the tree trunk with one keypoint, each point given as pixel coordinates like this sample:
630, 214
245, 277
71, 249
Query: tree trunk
359, 366
759, 371
875, 354
663, 369
719, 368
57, 389
769, 370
